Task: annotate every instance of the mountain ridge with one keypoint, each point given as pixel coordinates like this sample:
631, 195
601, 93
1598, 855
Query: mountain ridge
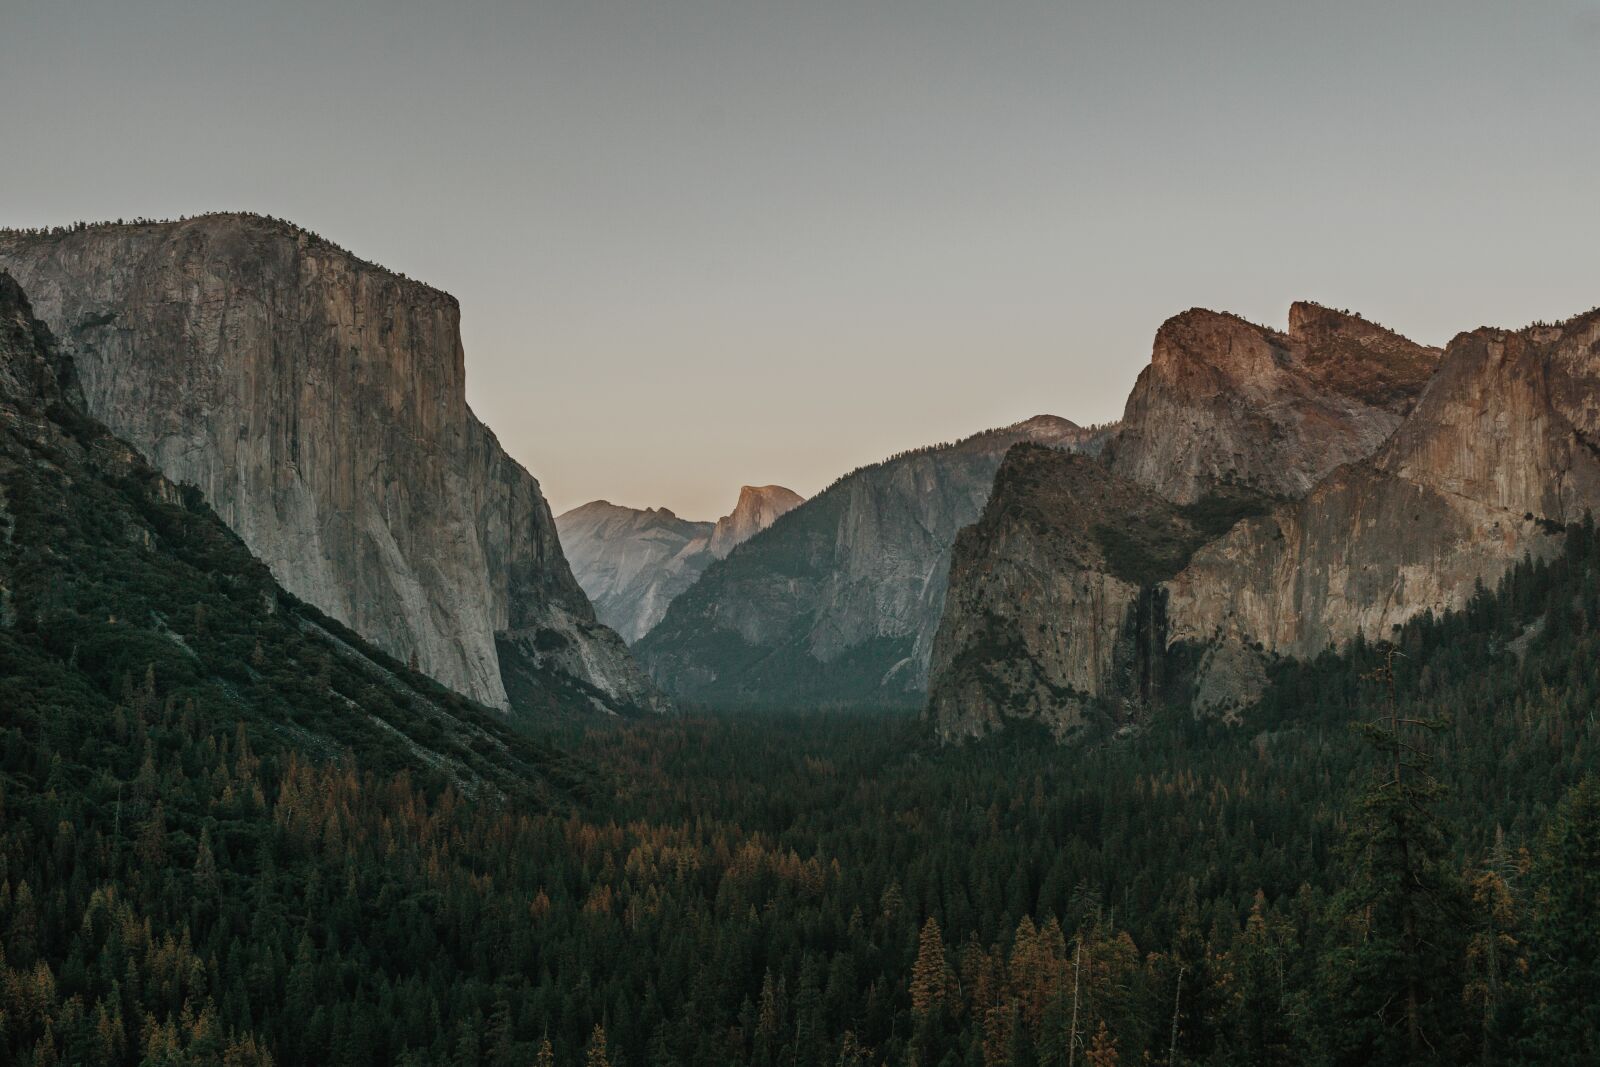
1349, 486
836, 602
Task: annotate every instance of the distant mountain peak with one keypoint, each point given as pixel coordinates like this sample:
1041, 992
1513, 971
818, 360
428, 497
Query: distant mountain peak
759, 506
632, 562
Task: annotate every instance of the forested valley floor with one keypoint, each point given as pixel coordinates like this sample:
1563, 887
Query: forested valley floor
1360, 874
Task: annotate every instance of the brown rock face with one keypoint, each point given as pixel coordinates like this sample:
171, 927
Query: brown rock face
1398, 480
1498, 454
1227, 402
318, 402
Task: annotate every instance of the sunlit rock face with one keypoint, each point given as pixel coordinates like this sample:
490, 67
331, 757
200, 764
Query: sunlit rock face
759, 506
1501, 450
1225, 401
319, 403
1328, 481
838, 601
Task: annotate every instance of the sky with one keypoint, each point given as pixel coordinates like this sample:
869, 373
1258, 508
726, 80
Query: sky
706, 244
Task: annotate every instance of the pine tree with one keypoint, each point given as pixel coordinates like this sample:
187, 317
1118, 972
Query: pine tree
1393, 979
1263, 1013
1562, 1017
595, 1054
205, 865
1196, 986
928, 974
1494, 954
1103, 1050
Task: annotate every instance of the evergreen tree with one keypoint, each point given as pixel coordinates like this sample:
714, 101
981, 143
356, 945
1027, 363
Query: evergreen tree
1263, 1012
1562, 1016
929, 973
595, 1054
1394, 991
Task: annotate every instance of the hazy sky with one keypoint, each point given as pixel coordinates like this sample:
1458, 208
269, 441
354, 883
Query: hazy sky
704, 244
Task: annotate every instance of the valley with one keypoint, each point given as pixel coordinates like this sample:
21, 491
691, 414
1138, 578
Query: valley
898, 534
1256, 727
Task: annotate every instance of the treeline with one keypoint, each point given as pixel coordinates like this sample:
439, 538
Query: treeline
1090, 431
318, 241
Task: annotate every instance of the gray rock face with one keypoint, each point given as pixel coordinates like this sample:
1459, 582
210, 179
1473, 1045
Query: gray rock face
837, 603
1329, 487
96, 544
318, 402
634, 563
1046, 599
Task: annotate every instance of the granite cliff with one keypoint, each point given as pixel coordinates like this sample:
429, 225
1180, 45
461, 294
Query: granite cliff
837, 602
318, 402
1267, 494
121, 590
758, 507
1501, 451
1225, 401
633, 563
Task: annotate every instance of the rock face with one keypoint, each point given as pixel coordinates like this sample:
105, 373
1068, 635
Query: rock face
759, 506
1322, 483
634, 563
1225, 401
1048, 603
837, 603
1501, 451
318, 402
108, 571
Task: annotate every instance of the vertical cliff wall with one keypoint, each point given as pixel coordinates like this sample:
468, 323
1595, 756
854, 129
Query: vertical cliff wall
1051, 607
318, 401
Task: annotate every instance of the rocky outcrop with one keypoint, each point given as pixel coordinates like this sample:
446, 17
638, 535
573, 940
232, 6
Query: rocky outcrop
1050, 605
758, 507
838, 602
634, 563
1501, 451
318, 401
1225, 401
1337, 480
